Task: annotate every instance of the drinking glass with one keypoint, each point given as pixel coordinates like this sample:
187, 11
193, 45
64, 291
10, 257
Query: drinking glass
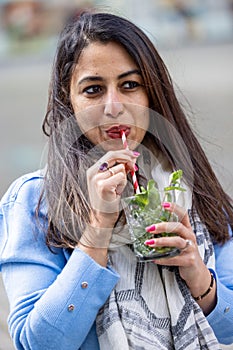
138, 217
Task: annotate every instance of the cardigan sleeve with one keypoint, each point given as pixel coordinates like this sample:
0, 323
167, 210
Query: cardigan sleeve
221, 318
53, 300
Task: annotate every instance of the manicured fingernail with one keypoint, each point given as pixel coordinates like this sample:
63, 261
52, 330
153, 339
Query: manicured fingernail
136, 154
149, 242
135, 167
150, 228
166, 205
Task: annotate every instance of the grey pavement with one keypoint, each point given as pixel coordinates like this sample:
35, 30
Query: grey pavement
203, 74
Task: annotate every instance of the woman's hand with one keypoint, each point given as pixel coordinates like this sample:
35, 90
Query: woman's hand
106, 181
191, 266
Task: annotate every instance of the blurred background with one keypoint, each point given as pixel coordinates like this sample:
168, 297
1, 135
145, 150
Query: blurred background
194, 37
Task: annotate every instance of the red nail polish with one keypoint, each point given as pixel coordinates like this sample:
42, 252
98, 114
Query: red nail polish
135, 167
136, 154
150, 228
166, 205
149, 242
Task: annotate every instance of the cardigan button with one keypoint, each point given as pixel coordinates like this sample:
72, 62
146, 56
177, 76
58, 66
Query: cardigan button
227, 309
70, 307
84, 285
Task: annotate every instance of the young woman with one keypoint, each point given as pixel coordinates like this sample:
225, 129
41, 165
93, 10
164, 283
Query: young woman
68, 266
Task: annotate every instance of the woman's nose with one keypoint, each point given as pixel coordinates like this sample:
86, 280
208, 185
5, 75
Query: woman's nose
113, 105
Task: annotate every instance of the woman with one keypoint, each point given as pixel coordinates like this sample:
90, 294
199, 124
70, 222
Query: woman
69, 270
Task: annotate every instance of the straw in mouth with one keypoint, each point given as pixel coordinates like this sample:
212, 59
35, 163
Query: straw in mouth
134, 178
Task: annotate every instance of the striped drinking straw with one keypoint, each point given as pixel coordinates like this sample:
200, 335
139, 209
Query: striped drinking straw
134, 178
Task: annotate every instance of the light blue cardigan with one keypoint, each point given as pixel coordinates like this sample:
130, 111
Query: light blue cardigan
50, 306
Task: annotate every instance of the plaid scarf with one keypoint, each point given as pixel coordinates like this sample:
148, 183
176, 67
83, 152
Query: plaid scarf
151, 307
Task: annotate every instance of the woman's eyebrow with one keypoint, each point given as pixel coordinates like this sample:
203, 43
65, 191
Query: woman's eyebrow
133, 71
98, 78
90, 78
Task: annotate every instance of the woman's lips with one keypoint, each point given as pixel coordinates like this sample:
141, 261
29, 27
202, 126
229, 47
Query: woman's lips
115, 131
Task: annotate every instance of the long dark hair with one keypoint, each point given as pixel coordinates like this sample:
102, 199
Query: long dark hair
64, 185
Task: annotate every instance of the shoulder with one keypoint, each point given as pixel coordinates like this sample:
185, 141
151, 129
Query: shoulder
26, 188
23, 229
22, 198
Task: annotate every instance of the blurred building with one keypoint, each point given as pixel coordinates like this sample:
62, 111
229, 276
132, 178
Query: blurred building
29, 25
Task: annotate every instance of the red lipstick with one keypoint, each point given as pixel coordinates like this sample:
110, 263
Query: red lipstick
114, 132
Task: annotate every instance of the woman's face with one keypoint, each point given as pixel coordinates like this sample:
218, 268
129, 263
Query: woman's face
108, 95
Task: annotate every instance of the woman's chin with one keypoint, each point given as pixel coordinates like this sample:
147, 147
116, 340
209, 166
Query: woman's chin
117, 144
112, 145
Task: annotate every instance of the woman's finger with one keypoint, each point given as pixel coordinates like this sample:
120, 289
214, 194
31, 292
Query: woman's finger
111, 171
113, 180
174, 241
111, 158
172, 227
181, 213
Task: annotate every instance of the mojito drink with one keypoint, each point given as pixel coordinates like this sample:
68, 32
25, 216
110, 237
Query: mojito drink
144, 209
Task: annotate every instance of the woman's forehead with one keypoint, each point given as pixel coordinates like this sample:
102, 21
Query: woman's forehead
99, 59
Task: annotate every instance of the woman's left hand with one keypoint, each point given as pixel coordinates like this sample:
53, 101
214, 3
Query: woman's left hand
191, 266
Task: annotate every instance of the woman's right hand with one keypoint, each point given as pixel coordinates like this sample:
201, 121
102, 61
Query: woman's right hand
105, 188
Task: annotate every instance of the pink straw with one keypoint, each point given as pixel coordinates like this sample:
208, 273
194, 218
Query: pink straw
135, 181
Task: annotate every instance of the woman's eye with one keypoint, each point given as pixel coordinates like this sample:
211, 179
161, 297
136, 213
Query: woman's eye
130, 84
92, 90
